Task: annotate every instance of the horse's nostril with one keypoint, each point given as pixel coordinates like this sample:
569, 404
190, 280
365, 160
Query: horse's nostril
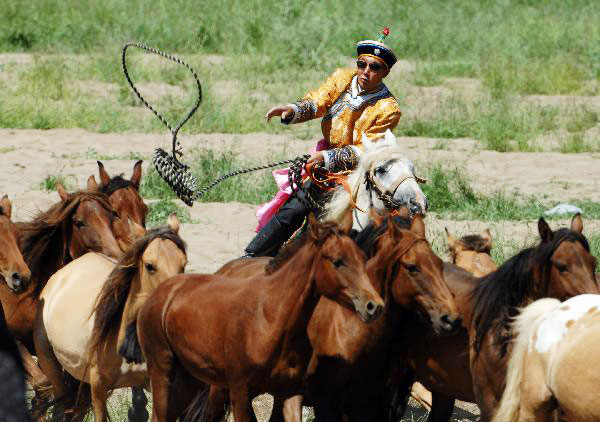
370, 307
16, 276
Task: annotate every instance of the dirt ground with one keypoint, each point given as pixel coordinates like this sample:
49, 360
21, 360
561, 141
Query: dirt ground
222, 230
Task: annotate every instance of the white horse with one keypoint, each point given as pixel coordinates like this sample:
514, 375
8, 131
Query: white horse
384, 179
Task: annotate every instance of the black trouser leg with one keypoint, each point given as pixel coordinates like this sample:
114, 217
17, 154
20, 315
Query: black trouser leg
278, 230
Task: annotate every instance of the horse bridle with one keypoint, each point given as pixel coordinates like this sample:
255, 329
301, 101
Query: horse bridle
386, 195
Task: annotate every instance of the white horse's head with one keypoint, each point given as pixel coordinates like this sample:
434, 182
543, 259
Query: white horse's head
384, 179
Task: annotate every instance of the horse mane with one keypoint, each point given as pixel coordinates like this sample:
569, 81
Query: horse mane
42, 240
114, 184
111, 299
498, 295
523, 327
341, 201
291, 248
473, 242
367, 239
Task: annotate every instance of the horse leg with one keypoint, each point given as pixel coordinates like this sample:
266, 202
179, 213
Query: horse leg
285, 408
441, 408
138, 412
241, 403
292, 408
47, 361
216, 404
99, 395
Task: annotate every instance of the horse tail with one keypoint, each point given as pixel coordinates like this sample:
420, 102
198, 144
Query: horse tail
524, 327
197, 411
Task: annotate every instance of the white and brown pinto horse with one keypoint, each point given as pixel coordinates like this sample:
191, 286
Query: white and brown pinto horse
88, 309
384, 180
554, 362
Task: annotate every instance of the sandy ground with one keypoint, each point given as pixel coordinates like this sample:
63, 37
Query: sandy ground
222, 230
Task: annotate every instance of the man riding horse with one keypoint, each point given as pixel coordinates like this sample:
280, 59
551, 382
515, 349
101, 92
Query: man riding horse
350, 102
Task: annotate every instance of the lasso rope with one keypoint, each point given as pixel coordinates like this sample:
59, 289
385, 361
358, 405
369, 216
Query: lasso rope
176, 174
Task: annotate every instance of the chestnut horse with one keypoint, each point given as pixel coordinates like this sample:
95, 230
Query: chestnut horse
15, 274
88, 311
249, 334
471, 365
124, 197
13, 270
408, 275
554, 362
80, 222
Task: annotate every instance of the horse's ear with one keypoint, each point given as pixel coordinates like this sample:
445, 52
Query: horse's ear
454, 244
418, 225
104, 177
137, 230
173, 223
136, 177
366, 142
91, 183
5, 206
347, 221
545, 231
487, 238
375, 217
390, 138
577, 223
62, 192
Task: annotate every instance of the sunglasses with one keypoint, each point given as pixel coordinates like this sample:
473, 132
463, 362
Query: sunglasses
375, 67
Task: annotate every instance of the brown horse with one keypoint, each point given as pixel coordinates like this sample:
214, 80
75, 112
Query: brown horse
80, 222
13, 269
471, 365
472, 254
125, 198
249, 335
88, 310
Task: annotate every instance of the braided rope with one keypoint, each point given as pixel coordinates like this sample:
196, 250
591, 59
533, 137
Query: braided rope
147, 104
176, 174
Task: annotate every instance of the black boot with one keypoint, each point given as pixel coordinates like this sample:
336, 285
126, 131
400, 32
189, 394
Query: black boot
278, 230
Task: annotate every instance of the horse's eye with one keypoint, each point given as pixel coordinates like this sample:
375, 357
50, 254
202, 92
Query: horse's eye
412, 268
79, 224
338, 263
150, 268
380, 170
561, 267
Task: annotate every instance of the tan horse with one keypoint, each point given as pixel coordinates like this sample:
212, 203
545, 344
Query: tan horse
88, 309
472, 252
554, 362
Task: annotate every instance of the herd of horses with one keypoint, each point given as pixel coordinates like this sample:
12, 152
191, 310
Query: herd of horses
342, 320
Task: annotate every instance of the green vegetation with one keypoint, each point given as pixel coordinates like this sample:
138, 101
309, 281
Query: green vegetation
51, 181
451, 196
514, 48
159, 212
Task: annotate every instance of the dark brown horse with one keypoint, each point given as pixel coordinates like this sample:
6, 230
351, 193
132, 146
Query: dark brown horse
471, 365
125, 198
249, 335
79, 223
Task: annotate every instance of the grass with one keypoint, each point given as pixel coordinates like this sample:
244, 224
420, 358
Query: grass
514, 48
451, 196
159, 212
51, 181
